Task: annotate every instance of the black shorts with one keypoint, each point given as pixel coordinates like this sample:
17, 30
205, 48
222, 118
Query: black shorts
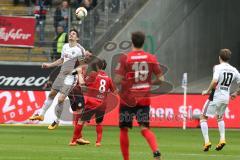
76, 101
127, 113
89, 113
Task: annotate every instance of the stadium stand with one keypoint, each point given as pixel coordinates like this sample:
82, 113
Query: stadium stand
101, 24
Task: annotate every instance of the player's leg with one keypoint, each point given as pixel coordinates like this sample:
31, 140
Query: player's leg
77, 109
99, 116
58, 111
204, 128
221, 126
208, 109
56, 87
125, 122
48, 102
64, 92
142, 115
85, 115
77, 133
77, 105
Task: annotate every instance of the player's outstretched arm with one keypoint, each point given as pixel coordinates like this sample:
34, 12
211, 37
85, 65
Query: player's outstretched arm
211, 86
53, 64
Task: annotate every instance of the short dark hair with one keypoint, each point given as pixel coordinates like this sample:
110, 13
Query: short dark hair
74, 30
100, 63
138, 39
225, 54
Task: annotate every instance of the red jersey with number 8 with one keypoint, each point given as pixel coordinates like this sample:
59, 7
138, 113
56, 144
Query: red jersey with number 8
99, 84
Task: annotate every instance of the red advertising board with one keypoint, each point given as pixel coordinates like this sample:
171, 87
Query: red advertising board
166, 110
18, 106
17, 31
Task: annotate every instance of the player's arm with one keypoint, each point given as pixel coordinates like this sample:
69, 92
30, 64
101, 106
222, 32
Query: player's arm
158, 72
57, 62
214, 81
120, 70
86, 58
53, 64
237, 92
81, 71
211, 86
80, 76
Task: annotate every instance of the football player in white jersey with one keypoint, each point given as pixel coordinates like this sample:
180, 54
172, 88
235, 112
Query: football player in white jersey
72, 54
223, 76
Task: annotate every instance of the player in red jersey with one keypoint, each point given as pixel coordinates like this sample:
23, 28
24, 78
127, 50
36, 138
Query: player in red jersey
134, 72
99, 84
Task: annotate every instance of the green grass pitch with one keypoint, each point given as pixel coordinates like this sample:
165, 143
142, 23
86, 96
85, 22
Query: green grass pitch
38, 143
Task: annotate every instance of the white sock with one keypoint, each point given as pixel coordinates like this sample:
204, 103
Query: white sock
58, 111
204, 128
46, 105
221, 127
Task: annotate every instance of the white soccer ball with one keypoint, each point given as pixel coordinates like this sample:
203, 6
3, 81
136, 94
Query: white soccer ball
81, 13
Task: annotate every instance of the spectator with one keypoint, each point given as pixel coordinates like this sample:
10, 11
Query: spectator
87, 4
58, 43
92, 3
40, 11
26, 2
90, 22
114, 6
61, 16
77, 3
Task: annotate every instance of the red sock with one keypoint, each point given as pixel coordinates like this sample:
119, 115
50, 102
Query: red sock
76, 117
99, 130
151, 139
124, 143
77, 132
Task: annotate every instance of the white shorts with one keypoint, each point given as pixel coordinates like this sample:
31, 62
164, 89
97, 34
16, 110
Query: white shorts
214, 108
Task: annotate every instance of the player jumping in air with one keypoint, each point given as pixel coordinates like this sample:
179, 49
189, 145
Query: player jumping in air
98, 84
223, 76
71, 57
134, 73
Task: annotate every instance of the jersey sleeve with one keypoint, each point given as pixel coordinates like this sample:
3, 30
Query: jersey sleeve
216, 73
156, 67
63, 51
81, 53
120, 68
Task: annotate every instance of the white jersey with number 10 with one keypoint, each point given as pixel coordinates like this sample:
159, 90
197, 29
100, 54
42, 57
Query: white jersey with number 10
224, 74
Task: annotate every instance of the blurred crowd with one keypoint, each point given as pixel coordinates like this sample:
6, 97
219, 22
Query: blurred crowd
62, 17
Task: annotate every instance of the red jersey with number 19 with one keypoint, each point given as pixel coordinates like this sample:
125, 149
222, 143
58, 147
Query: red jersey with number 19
99, 84
137, 68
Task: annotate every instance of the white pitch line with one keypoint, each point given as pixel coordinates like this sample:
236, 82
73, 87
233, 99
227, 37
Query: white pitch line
205, 155
177, 154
